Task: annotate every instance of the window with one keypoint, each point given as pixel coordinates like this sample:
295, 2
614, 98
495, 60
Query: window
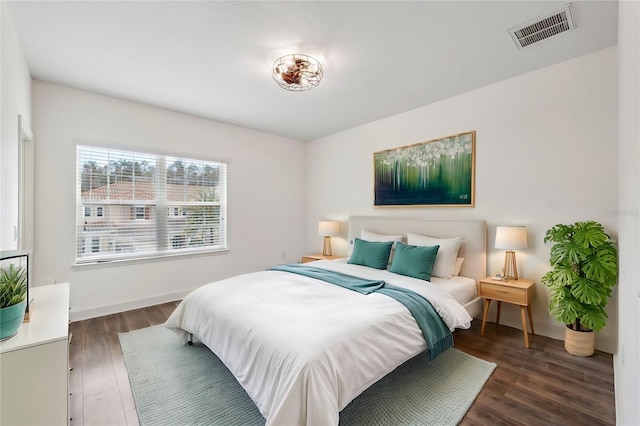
95, 244
147, 205
139, 212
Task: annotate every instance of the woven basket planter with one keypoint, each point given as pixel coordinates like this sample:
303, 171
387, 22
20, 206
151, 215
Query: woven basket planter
579, 343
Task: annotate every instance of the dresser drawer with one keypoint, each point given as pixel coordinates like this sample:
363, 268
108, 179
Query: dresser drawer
503, 293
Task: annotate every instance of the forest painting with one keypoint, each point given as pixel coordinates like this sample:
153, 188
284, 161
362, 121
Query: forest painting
439, 172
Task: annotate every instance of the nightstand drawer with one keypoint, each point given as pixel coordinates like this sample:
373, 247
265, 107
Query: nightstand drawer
503, 293
311, 257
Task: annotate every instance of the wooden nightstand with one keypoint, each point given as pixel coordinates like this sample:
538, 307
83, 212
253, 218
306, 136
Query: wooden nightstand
312, 257
518, 292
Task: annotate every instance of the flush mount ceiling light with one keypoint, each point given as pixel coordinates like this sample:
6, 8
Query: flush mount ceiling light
297, 73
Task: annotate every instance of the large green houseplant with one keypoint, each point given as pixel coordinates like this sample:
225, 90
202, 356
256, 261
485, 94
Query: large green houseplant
585, 270
13, 289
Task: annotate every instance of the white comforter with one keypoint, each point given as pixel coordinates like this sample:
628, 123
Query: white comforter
303, 348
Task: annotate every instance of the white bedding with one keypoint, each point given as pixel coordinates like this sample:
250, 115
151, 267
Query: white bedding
463, 289
303, 348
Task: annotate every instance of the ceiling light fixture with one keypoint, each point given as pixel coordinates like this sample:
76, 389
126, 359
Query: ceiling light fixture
297, 73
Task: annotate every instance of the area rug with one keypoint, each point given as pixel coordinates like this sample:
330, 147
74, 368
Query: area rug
176, 384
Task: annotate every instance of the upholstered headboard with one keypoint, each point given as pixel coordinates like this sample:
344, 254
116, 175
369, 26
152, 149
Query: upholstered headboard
473, 233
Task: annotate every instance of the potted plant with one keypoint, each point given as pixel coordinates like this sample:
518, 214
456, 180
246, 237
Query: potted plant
585, 270
13, 289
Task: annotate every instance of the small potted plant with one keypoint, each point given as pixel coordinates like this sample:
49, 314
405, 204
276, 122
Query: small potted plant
13, 289
585, 270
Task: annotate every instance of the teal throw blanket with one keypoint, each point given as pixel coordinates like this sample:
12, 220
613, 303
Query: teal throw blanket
435, 331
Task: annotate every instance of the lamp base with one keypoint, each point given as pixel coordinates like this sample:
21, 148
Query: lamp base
510, 267
326, 249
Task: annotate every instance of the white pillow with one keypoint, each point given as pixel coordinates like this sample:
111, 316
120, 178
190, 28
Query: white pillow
380, 238
456, 270
447, 253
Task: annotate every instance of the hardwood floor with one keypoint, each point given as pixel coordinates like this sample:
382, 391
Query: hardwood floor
539, 386
98, 382
543, 385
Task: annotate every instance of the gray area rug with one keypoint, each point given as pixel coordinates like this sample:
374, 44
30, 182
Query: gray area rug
176, 384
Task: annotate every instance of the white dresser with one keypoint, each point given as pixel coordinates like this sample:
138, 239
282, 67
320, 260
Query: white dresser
34, 364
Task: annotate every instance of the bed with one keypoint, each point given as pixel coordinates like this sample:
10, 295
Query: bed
304, 348
473, 248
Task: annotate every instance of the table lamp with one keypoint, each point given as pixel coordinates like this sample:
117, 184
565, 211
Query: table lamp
511, 238
327, 230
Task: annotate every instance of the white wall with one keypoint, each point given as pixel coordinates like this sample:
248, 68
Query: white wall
627, 359
546, 148
15, 91
266, 201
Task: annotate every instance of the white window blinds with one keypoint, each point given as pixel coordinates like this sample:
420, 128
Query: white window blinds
132, 205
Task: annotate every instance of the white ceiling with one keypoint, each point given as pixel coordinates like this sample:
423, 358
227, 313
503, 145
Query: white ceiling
213, 59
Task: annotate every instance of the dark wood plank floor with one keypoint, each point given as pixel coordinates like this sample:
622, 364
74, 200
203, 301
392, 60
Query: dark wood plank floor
542, 385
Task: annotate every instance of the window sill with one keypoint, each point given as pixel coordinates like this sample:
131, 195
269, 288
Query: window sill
148, 259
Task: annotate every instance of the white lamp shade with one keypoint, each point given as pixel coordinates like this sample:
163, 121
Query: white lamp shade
328, 229
511, 237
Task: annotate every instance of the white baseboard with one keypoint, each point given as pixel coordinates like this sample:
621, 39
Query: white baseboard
99, 311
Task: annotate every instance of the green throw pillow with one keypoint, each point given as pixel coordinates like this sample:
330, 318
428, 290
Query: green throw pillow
371, 254
414, 261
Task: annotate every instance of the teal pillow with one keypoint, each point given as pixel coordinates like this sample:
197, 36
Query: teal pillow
370, 253
414, 261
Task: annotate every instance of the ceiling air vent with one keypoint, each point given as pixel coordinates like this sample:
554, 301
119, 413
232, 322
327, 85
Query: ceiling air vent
556, 22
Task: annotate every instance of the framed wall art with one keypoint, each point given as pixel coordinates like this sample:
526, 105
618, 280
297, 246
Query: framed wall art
435, 173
